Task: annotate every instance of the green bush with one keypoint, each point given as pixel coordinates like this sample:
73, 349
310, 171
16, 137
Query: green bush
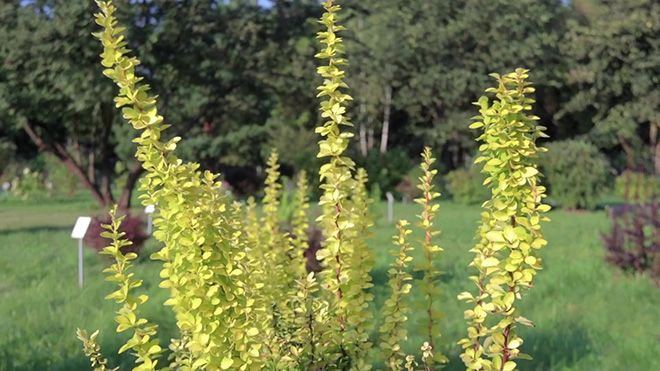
466, 186
30, 185
577, 173
7, 150
386, 169
637, 186
64, 183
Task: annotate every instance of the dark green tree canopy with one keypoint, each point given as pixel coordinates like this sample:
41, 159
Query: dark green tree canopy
223, 71
613, 50
238, 79
437, 56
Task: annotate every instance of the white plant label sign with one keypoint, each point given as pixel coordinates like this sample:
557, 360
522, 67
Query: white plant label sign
150, 209
81, 226
78, 233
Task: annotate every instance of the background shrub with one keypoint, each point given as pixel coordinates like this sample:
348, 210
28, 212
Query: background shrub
7, 150
633, 243
132, 225
577, 173
465, 186
30, 185
62, 181
407, 187
637, 186
386, 169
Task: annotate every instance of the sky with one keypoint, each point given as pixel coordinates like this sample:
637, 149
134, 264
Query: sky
265, 3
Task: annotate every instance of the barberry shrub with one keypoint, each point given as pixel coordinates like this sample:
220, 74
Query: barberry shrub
505, 256
240, 290
633, 241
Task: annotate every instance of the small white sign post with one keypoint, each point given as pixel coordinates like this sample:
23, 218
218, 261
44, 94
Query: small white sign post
78, 233
149, 210
390, 207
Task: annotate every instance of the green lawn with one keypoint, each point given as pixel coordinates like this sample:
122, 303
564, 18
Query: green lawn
588, 315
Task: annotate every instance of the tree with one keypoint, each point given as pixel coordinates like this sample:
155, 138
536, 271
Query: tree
224, 74
379, 51
461, 42
294, 111
50, 89
247, 69
614, 55
421, 64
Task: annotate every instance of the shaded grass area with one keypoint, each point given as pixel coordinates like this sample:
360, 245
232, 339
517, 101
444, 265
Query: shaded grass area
588, 315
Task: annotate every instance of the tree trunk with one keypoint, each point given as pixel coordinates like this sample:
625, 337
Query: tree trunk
91, 171
106, 189
385, 133
370, 138
105, 168
628, 150
363, 133
655, 147
127, 192
364, 151
63, 155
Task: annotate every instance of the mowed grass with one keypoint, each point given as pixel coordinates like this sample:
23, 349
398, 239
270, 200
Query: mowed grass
588, 315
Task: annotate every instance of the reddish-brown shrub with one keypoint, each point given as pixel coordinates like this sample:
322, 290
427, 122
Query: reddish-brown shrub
633, 243
133, 226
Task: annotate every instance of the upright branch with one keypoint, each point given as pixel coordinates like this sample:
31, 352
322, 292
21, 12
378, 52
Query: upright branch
430, 292
275, 250
252, 225
336, 173
311, 318
144, 342
279, 265
92, 350
510, 232
359, 314
393, 331
272, 195
300, 225
205, 266
258, 270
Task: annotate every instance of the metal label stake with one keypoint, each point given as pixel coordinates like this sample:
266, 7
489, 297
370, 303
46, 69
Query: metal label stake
149, 210
78, 233
390, 207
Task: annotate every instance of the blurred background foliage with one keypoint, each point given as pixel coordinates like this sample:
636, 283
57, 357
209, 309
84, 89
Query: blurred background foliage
236, 78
